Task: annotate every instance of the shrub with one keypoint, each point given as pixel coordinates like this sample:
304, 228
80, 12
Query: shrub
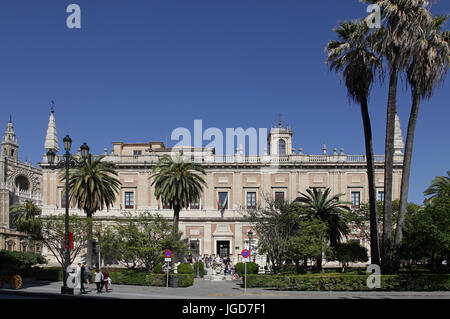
288, 269
201, 270
129, 277
345, 282
157, 269
160, 280
20, 260
45, 274
185, 268
252, 268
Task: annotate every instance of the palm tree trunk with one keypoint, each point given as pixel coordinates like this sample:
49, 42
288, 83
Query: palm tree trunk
406, 169
374, 249
176, 218
89, 252
388, 169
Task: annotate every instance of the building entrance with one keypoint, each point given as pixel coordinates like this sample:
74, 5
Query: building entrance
223, 248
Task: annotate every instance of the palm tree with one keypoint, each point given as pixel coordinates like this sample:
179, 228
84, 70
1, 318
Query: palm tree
395, 41
329, 209
93, 186
177, 184
426, 71
23, 218
352, 56
440, 187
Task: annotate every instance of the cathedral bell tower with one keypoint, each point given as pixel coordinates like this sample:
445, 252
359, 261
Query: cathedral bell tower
10, 146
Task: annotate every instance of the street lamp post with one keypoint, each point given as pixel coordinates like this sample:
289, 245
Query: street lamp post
67, 162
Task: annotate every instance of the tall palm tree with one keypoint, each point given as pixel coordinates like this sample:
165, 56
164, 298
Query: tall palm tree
178, 184
351, 55
329, 209
395, 41
93, 186
440, 187
426, 71
23, 218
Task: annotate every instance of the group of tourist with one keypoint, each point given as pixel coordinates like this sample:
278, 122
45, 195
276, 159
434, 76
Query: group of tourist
216, 262
101, 279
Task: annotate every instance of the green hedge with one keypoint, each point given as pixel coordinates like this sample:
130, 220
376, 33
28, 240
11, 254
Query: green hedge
45, 274
201, 271
185, 268
252, 268
160, 280
343, 282
118, 277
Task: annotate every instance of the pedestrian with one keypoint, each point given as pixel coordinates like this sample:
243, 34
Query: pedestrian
87, 275
105, 280
82, 279
98, 279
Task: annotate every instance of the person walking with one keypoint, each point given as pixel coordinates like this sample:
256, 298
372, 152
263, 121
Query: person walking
82, 279
98, 279
105, 280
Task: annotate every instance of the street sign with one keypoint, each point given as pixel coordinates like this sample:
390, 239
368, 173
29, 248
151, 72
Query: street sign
168, 253
167, 259
245, 260
245, 253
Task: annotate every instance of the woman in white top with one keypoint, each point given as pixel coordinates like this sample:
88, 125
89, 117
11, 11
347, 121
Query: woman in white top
98, 280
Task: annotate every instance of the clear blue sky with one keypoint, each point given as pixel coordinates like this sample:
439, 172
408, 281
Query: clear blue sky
138, 69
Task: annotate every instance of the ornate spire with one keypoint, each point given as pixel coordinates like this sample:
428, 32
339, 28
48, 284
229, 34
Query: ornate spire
398, 138
10, 144
51, 139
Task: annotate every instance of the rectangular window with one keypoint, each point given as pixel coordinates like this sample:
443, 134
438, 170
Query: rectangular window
356, 199
251, 200
380, 195
194, 247
129, 200
223, 200
195, 204
165, 205
135, 153
279, 197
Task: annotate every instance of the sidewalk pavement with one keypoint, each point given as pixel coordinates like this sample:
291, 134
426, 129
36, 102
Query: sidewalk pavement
206, 289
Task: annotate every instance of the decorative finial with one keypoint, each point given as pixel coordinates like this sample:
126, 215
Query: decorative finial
280, 119
53, 107
10, 118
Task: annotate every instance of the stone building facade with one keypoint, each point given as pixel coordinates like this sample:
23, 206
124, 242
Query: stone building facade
19, 181
236, 182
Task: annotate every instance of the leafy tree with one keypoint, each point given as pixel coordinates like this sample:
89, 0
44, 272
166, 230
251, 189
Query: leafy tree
275, 225
352, 56
308, 242
93, 186
426, 71
139, 241
348, 252
53, 234
427, 233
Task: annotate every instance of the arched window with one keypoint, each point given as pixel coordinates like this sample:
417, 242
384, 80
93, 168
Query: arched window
22, 182
281, 147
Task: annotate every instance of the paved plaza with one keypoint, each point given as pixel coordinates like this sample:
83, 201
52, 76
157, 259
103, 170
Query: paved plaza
206, 289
